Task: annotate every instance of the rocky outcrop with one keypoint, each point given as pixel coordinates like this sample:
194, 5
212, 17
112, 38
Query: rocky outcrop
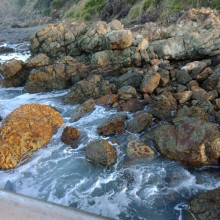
190, 141
113, 125
25, 130
206, 206
56, 76
100, 151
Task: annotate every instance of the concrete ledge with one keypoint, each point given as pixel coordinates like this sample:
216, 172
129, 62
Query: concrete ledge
18, 207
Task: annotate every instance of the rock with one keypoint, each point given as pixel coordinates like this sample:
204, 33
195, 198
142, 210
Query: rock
205, 105
206, 206
204, 75
87, 89
192, 112
25, 130
56, 76
0, 118
129, 79
213, 80
191, 142
69, 135
181, 88
148, 99
127, 92
132, 105
217, 117
183, 77
37, 61
81, 110
164, 77
215, 61
150, 83
13, 73
109, 99
120, 39
184, 97
140, 123
113, 125
200, 94
100, 151
191, 84
163, 105
217, 102
136, 149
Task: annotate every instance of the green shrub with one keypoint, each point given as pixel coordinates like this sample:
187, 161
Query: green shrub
47, 11
57, 4
87, 17
134, 12
131, 1
21, 3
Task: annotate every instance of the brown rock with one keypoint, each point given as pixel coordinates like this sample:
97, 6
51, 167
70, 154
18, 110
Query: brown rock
148, 99
11, 68
184, 97
217, 102
164, 77
206, 206
163, 105
150, 83
37, 61
200, 94
113, 125
132, 105
109, 99
181, 88
25, 130
204, 75
100, 151
192, 84
136, 149
140, 123
69, 135
127, 93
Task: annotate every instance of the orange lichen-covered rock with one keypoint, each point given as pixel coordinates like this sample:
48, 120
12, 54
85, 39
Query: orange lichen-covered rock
25, 130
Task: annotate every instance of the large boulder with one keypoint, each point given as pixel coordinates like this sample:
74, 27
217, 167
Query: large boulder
25, 130
190, 141
69, 135
100, 151
14, 74
56, 76
206, 206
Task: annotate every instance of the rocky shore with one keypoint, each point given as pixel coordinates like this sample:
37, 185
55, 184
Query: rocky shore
169, 76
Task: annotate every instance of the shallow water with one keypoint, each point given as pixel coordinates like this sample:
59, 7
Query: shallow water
151, 190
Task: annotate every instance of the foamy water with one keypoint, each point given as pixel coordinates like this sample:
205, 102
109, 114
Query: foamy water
151, 190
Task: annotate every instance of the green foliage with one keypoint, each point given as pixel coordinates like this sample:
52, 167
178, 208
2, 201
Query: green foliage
57, 4
36, 4
47, 11
131, 2
134, 12
21, 3
94, 6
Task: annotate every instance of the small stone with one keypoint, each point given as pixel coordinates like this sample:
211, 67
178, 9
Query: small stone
217, 102
183, 77
69, 135
148, 99
204, 75
181, 88
109, 99
164, 77
132, 105
127, 92
115, 105
184, 97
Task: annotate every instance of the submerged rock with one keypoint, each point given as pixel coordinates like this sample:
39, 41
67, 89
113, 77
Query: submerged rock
25, 130
69, 135
206, 206
190, 141
100, 151
81, 110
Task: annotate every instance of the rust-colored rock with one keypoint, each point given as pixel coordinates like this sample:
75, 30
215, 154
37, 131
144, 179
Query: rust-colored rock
69, 135
25, 130
109, 99
132, 105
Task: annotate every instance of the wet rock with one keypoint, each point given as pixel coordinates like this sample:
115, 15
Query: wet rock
37, 61
140, 123
192, 112
13, 73
113, 125
6, 50
183, 97
136, 149
109, 99
192, 142
183, 77
127, 92
87, 89
81, 110
150, 83
56, 76
100, 151
129, 79
206, 206
25, 130
163, 105
69, 135
132, 105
